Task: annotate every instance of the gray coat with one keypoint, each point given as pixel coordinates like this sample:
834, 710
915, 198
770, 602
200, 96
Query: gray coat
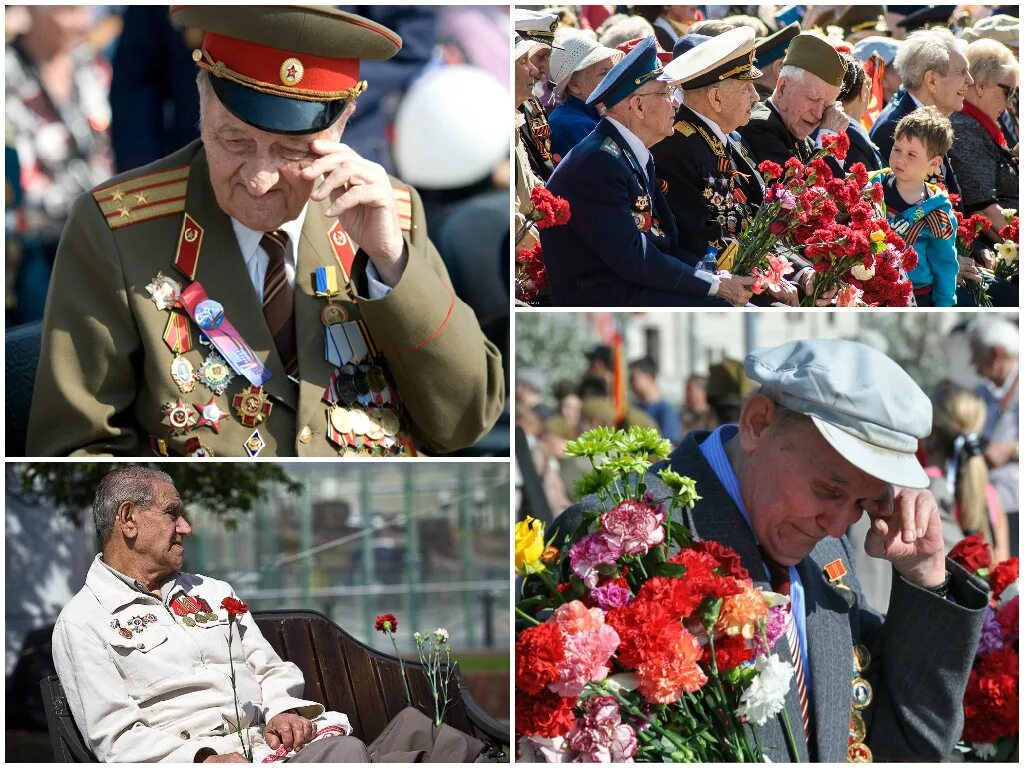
920, 655
986, 172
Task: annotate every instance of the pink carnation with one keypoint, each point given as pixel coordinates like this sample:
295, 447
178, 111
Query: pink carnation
599, 735
590, 553
634, 527
611, 596
573, 618
775, 627
586, 659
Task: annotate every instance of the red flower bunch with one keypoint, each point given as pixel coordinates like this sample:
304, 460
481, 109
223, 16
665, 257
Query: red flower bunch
531, 274
1011, 231
1002, 576
991, 699
837, 144
547, 714
972, 553
539, 651
234, 606
386, 622
548, 210
968, 228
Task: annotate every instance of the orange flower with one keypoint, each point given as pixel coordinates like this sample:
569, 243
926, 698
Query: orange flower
741, 613
665, 677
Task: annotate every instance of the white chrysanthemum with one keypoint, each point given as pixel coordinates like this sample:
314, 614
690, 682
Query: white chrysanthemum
766, 695
862, 273
985, 751
1009, 592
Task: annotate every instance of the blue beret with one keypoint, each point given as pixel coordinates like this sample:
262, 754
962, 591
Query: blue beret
688, 42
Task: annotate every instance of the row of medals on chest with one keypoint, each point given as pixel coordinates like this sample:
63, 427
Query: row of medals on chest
252, 404
190, 610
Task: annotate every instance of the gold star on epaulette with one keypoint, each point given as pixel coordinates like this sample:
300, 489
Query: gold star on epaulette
126, 213
117, 197
140, 199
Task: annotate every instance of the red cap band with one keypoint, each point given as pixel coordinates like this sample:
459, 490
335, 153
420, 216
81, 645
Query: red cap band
283, 71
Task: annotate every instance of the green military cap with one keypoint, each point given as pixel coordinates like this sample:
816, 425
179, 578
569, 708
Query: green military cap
727, 56
288, 69
816, 55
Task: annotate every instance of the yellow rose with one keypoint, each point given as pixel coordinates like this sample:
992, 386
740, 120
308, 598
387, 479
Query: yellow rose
878, 236
529, 546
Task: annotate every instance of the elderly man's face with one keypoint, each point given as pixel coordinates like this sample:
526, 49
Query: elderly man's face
802, 103
540, 57
256, 175
949, 89
162, 528
796, 487
738, 99
655, 107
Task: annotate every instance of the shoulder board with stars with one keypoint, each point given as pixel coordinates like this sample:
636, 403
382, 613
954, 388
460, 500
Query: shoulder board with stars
685, 128
152, 196
403, 205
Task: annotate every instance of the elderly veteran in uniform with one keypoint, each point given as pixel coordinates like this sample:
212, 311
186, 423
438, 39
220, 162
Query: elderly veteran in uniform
847, 419
578, 65
142, 655
804, 99
768, 54
538, 29
621, 246
264, 290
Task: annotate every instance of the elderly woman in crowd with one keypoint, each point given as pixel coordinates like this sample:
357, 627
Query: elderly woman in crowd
986, 168
578, 64
855, 95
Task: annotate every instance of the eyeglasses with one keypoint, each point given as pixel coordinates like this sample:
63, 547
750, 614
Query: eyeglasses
1009, 91
665, 94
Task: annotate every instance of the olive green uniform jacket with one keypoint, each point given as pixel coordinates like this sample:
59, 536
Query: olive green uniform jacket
104, 370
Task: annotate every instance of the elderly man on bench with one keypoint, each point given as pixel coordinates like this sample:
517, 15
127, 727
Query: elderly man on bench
142, 652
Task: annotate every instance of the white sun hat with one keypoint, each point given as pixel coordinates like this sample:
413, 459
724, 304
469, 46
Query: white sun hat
576, 52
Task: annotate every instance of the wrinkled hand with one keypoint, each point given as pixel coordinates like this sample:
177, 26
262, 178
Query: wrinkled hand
231, 757
734, 289
987, 257
834, 118
807, 280
787, 294
289, 729
905, 530
968, 269
361, 199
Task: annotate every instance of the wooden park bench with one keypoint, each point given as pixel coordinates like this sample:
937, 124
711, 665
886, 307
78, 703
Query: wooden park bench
340, 672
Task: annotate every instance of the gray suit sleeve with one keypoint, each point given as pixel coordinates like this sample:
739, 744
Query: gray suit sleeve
921, 657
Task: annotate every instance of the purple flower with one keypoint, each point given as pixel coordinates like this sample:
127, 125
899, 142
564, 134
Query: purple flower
991, 634
775, 627
611, 596
589, 553
787, 200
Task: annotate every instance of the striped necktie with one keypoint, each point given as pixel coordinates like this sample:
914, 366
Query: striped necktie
780, 584
279, 301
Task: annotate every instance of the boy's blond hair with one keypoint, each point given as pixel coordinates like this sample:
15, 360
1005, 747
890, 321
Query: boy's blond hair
930, 127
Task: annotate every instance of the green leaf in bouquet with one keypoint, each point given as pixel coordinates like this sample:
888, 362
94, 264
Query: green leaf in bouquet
646, 441
670, 570
594, 481
593, 442
681, 536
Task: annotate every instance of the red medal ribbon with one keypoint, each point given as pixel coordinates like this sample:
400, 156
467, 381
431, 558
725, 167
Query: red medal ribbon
341, 245
186, 259
178, 333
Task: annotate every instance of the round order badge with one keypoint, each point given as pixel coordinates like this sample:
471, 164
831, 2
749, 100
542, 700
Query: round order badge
341, 420
858, 753
360, 422
389, 423
861, 657
333, 314
862, 693
183, 374
858, 730
215, 373
164, 291
189, 621
209, 314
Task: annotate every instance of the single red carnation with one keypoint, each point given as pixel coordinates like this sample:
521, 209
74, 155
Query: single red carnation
777, 228
1008, 617
730, 652
972, 553
234, 606
837, 144
645, 629
386, 622
728, 559
539, 652
1002, 576
770, 170
546, 714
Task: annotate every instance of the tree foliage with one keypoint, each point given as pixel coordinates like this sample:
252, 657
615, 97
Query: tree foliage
221, 487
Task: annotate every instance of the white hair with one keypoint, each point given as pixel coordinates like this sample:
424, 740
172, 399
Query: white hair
629, 29
994, 333
794, 74
990, 61
924, 51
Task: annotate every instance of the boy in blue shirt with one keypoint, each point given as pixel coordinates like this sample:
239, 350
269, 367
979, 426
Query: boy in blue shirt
918, 211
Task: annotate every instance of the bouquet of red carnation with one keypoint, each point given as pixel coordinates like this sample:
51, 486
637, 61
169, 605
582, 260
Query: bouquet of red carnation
992, 697
531, 273
968, 228
654, 647
794, 196
1007, 266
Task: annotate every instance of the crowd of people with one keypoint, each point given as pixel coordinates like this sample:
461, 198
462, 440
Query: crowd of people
652, 127
971, 455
